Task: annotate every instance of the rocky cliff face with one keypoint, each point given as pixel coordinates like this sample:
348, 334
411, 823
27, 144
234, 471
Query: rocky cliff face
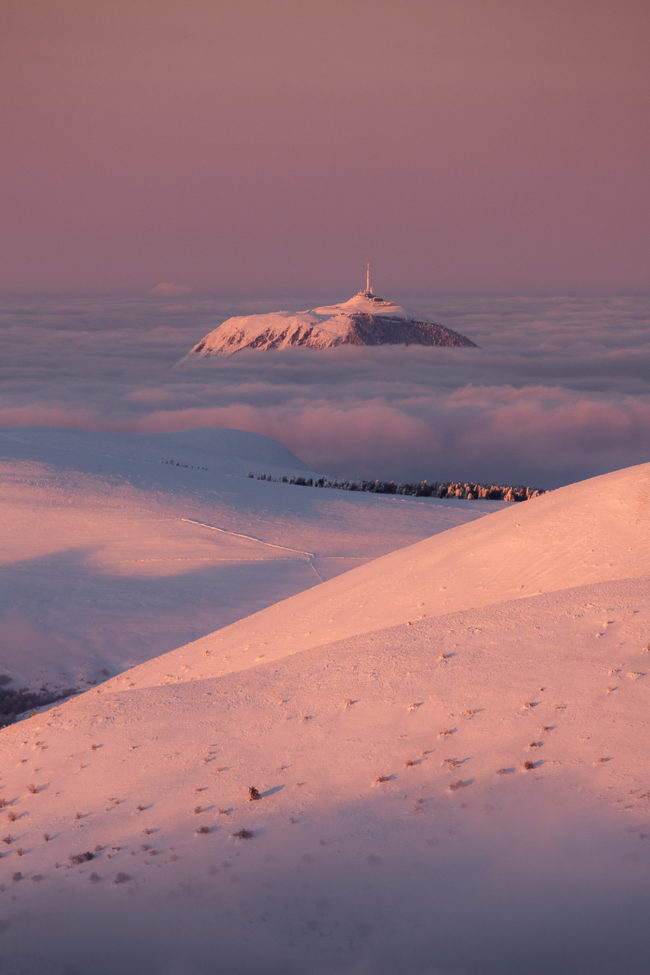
383, 330
363, 320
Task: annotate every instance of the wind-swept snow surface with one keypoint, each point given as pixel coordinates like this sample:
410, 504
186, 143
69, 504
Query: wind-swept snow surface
449, 745
118, 547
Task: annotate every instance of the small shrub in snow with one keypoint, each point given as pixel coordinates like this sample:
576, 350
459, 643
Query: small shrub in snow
458, 784
253, 794
33, 788
383, 778
529, 765
122, 878
12, 816
76, 858
202, 830
244, 834
197, 810
8, 839
450, 763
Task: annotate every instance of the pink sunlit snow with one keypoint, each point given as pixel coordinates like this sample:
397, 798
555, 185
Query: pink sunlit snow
446, 739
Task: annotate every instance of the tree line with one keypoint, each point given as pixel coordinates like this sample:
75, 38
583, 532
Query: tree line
468, 490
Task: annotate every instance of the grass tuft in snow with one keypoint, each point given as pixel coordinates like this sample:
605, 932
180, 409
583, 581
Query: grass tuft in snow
458, 784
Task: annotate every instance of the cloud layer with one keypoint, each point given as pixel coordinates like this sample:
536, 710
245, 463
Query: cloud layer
557, 391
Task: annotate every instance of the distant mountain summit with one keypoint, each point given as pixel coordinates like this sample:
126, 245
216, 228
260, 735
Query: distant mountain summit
365, 319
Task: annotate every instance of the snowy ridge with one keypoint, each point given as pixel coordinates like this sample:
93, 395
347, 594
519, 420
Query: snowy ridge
364, 319
578, 535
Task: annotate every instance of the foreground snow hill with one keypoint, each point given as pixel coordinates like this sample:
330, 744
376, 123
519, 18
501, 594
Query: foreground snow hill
590, 532
365, 319
117, 547
453, 772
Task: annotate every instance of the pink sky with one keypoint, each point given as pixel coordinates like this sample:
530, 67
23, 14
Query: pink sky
259, 147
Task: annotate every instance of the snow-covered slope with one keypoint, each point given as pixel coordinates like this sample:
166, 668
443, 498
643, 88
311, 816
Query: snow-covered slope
117, 547
467, 791
519, 551
363, 320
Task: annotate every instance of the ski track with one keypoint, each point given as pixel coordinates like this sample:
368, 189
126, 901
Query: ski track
250, 538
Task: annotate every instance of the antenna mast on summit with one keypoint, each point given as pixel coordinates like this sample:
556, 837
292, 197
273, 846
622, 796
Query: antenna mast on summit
368, 288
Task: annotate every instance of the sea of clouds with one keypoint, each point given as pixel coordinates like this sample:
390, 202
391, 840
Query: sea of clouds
558, 390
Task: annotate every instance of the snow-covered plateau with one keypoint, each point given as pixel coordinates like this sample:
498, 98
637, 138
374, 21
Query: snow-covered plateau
365, 319
435, 760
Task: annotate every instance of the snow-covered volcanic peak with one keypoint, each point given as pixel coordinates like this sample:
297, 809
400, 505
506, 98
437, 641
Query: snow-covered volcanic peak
365, 319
